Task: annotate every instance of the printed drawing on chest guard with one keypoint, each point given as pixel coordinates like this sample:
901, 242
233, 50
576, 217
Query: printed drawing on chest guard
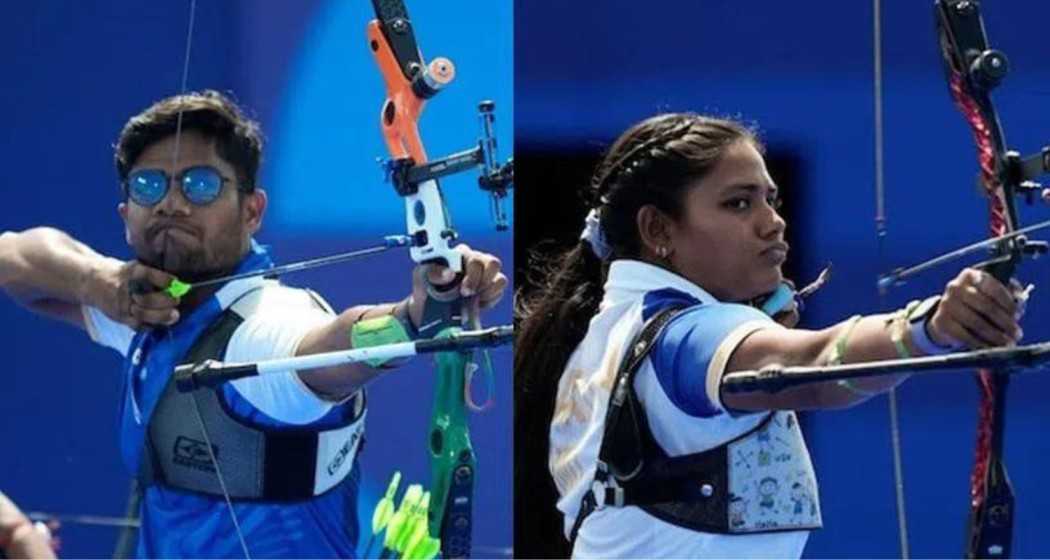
767, 489
737, 511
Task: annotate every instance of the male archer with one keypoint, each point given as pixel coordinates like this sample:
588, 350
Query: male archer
282, 447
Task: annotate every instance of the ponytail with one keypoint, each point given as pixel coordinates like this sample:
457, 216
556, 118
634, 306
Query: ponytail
552, 320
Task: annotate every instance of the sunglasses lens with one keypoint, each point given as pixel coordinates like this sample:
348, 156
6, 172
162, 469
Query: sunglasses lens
201, 184
147, 187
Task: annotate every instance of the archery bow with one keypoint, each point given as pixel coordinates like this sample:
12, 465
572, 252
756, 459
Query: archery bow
409, 83
973, 70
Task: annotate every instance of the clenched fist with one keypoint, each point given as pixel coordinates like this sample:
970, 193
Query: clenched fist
977, 311
134, 295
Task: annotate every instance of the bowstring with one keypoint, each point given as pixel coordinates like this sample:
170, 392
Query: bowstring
218, 474
880, 234
185, 78
174, 163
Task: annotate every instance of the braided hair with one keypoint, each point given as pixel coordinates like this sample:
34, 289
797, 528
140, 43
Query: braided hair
652, 163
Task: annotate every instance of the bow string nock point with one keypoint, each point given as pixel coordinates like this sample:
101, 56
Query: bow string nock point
177, 288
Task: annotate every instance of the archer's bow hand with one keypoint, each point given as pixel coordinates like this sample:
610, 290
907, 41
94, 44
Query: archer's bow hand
134, 295
482, 281
976, 311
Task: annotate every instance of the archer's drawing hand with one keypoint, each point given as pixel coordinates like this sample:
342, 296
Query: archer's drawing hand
976, 311
20, 538
134, 295
788, 316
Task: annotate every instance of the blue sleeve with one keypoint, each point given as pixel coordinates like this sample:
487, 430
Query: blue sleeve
687, 345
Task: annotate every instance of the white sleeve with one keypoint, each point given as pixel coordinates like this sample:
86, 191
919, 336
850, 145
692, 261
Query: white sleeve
275, 331
106, 331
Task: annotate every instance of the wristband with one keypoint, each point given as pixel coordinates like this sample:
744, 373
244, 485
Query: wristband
921, 339
376, 331
919, 319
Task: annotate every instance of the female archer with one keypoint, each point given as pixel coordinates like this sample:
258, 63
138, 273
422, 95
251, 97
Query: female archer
658, 299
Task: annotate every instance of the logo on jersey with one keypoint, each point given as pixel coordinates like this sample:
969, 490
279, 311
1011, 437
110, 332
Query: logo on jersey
194, 454
343, 453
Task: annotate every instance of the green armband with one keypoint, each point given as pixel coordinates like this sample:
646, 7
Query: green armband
377, 331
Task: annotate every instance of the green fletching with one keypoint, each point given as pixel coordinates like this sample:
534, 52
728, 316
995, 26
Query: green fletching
416, 538
392, 529
384, 511
416, 528
400, 521
385, 508
424, 506
178, 288
428, 549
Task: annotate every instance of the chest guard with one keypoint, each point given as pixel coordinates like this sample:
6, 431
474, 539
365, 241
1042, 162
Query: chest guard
759, 482
257, 462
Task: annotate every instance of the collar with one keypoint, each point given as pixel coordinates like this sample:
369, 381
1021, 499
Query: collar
631, 280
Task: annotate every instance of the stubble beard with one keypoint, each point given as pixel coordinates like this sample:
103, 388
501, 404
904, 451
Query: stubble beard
212, 257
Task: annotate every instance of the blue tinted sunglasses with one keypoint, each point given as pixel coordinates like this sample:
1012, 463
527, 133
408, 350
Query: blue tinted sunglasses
200, 185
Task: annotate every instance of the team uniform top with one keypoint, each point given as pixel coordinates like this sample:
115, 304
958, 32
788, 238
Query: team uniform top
678, 387
185, 524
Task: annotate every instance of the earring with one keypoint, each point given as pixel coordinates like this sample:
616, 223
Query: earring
662, 251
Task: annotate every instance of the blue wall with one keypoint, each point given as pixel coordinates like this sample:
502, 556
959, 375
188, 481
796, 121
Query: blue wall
803, 71
75, 71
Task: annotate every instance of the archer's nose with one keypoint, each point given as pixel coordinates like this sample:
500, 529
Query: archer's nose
174, 202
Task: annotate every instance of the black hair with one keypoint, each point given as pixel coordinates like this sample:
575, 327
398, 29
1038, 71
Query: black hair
238, 139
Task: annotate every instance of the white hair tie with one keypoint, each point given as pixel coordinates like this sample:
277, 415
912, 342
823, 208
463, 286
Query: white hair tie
593, 234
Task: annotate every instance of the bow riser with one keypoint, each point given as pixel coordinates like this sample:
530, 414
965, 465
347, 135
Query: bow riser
425, 215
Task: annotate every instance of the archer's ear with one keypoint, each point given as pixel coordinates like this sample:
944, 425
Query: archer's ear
654, 229
253, 208
122, 209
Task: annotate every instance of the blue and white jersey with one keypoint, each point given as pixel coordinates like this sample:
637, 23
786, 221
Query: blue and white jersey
678, 387
184, 524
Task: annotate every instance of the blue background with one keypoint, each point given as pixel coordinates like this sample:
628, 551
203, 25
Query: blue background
73, 72
803, 71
